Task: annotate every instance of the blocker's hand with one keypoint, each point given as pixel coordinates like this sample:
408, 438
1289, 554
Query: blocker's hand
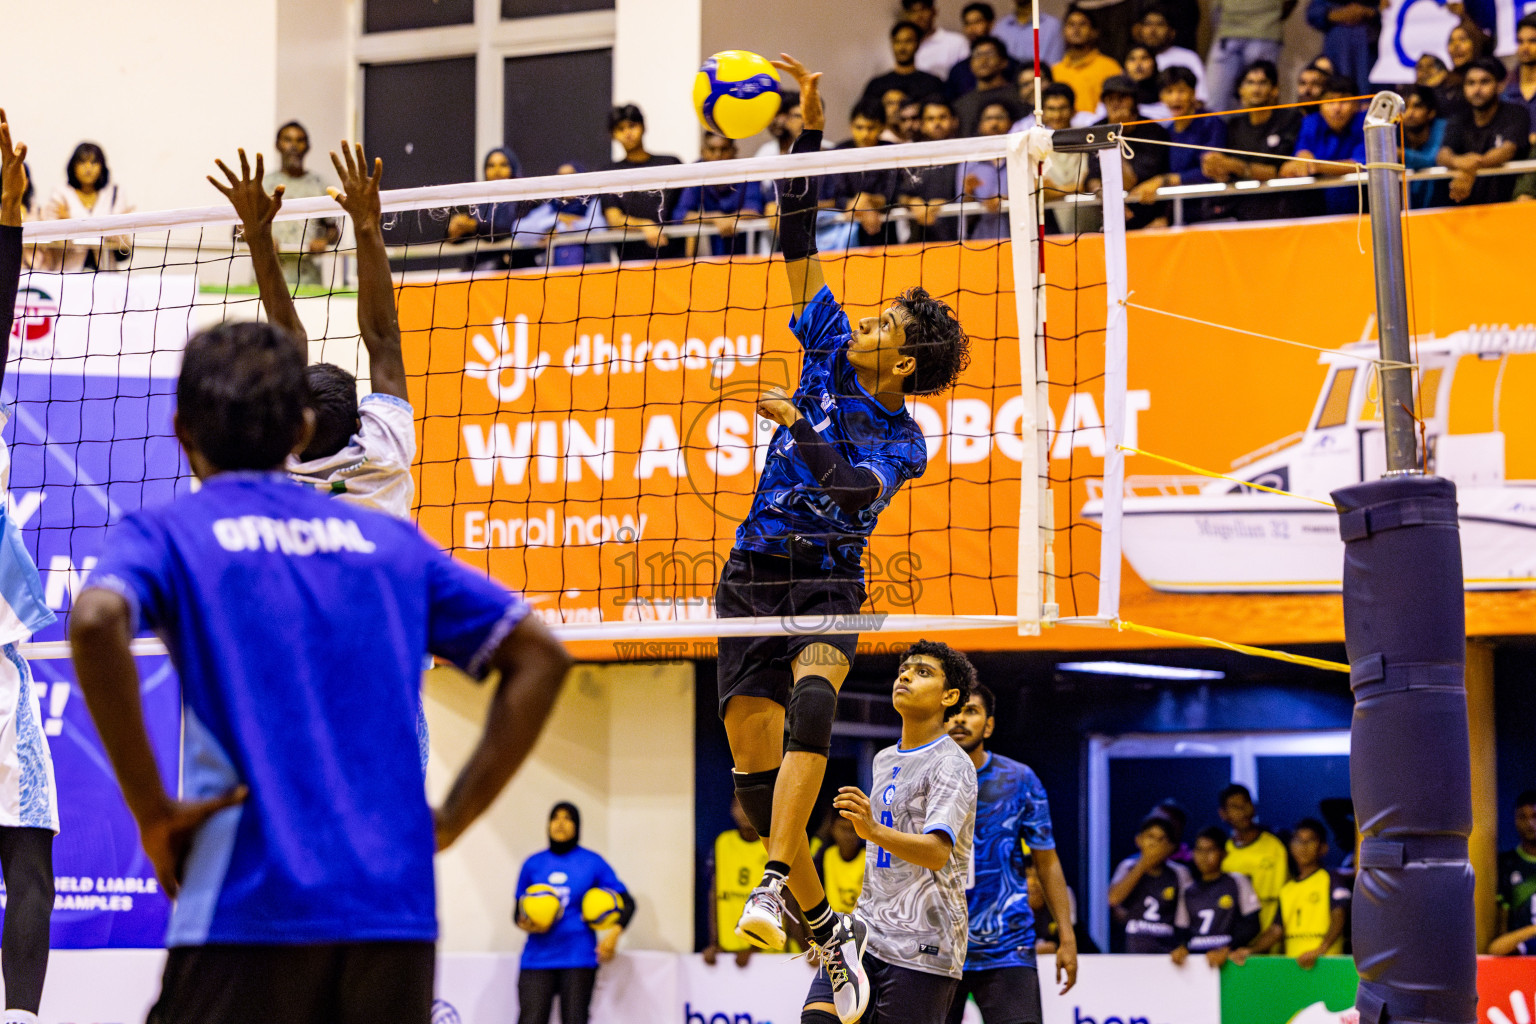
776, 406
167, 837
13, 175
359, 192
254, 206
810, 90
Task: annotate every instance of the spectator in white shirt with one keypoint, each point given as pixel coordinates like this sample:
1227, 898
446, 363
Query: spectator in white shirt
90, 192
1154, 31
939, 48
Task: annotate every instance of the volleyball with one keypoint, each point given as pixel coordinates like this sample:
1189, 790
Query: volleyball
736, 93
541, 905
600, 908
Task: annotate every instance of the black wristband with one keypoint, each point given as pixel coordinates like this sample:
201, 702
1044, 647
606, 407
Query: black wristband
851, 487
798, 199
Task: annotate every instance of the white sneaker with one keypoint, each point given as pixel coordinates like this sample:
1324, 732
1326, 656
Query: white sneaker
843, 960
762, 919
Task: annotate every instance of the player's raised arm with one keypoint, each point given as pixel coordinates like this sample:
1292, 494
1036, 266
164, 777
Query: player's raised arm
13, 185
256, 208
799, 197
376, 320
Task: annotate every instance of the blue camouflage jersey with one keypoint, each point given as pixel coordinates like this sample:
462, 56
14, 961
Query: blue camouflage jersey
1011, 809
792, 515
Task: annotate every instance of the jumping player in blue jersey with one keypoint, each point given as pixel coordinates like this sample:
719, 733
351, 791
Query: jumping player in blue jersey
1011, 812
300, 851
844, 446
29, 809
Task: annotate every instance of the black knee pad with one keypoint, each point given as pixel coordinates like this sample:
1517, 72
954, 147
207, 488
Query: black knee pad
812, 708
755, 791
818, 1017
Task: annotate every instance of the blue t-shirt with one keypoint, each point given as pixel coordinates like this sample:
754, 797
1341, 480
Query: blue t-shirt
791, 514
745, 198
1011, 808
571, 942
298, 626
1326, 144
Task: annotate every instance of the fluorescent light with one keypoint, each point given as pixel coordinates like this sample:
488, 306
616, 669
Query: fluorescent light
1131, 668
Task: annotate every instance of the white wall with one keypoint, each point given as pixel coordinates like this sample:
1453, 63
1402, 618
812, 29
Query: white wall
656, 55
315, 83
620, 746
163, 87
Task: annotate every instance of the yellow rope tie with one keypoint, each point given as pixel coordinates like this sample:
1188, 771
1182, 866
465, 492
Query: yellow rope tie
1386, 364
1257, 652
1223, 476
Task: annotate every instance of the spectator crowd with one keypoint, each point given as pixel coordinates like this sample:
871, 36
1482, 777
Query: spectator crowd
1132, 62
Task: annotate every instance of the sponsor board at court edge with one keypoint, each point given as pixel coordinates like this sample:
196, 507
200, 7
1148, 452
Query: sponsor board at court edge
609, 481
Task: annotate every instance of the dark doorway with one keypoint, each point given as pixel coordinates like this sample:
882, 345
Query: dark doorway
420, 117
556, 109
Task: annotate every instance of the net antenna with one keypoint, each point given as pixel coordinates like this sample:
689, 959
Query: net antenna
1038, 527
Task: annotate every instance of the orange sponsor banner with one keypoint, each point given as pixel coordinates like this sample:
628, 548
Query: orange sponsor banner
589, 438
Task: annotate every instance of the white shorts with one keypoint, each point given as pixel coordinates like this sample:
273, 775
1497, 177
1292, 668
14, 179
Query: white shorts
28, 794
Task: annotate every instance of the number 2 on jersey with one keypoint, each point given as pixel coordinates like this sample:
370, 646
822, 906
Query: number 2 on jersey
883, 858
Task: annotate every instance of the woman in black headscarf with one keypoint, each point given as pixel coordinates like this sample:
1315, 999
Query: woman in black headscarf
561, 959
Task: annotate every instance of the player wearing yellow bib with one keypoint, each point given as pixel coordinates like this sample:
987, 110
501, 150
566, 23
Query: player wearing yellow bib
1253, 850
1312, 905
735, 866
840, 864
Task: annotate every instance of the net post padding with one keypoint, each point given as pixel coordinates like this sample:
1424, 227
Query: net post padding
1115, 371
1026, 151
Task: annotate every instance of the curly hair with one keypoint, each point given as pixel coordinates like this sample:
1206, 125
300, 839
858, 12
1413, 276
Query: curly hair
333, 397
936, 340
959, 673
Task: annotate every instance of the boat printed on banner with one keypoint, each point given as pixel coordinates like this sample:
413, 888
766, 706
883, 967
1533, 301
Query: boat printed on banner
1195, 534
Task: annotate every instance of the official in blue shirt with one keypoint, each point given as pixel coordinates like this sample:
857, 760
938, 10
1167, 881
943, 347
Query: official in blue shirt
562, 960
1331, 142
300, 854
1012, 813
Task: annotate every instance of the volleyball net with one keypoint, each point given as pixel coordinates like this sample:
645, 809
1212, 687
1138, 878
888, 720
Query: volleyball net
585, 387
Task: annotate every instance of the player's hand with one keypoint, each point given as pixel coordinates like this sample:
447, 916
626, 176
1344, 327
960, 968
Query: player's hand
1308, 960
13, 176
1180, 955
775, 405
1239, 956
253, 205
359, 192
1216, 957
810, 90
855, 806
167, 837
608, 944
1066, 964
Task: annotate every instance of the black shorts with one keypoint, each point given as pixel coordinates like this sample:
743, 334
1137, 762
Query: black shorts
345, 983
1004, 995
753, 584
897, 995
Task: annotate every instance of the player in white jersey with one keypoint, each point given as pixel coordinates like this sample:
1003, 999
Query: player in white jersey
29, 810
361, 451
912, 925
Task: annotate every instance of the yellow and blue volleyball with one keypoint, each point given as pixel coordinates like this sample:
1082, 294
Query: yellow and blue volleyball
541, 905
600, 908
736, 93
